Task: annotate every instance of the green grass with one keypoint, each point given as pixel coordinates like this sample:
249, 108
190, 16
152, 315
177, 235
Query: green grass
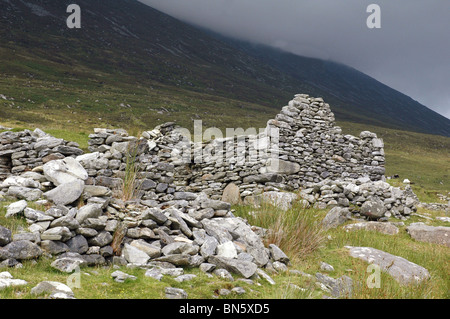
432, 257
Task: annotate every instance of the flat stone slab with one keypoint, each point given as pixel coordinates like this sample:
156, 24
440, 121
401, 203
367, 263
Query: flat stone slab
384, 228
431, 234
402, 270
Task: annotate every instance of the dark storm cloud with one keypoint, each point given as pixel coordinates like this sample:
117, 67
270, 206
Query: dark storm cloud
410, 53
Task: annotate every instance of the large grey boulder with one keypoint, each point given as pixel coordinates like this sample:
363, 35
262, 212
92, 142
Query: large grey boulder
402, 270
66, 221
175, 293
15, 208
277, 254
120, 276
5, 236
57, 233
29, 194
335, 217
102, 239
21, 250
373, 208
68, 263
54, 247
151, 250
134, 255
47, 142
339, 288
66, 193
51, 287
21, 182
96, 191
64, 171
241, 267
431, 234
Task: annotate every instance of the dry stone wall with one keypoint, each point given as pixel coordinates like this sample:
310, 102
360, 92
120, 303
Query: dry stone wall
301, 145
301, 148
25, 150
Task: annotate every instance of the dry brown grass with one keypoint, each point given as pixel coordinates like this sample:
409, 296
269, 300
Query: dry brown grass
296, 231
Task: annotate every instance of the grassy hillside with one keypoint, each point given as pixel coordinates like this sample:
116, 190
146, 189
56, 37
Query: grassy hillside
127, 53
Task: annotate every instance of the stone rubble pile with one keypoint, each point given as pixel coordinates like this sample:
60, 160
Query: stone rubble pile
372, 199
444, 205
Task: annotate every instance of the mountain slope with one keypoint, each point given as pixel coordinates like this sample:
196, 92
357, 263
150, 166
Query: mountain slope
127, 53
350, 91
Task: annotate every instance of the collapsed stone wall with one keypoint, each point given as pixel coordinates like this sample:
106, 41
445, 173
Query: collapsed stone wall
308, 147
25, 150
82, 222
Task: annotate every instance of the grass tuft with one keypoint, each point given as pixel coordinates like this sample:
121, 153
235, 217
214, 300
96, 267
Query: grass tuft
296, 231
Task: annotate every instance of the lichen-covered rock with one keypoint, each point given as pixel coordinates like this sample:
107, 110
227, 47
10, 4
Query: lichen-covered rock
431, 234
402, 270
21, 250
5, 236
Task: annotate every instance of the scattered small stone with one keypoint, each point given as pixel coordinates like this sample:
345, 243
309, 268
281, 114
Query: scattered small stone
175, 293
326, 267
120, 276
238, 290
186, 277
52, 287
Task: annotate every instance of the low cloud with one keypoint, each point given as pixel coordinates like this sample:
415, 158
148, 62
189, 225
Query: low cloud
410, 52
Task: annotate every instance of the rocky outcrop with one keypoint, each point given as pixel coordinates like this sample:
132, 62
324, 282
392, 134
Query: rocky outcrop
384, 228
402, 270
431, 234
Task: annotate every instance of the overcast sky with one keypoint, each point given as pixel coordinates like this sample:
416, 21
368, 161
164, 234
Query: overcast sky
410, 52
